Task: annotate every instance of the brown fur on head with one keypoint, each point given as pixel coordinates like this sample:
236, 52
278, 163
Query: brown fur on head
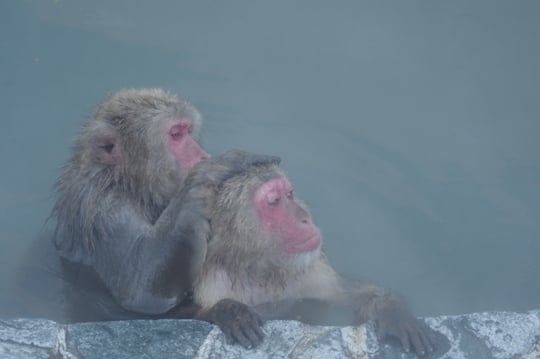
133, 121
238, 244
120, 154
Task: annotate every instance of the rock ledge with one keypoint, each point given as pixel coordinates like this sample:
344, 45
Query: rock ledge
478, 335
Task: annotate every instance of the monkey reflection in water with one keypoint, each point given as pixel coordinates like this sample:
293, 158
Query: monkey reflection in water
264, 261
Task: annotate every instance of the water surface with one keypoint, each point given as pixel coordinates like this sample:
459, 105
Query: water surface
410, 128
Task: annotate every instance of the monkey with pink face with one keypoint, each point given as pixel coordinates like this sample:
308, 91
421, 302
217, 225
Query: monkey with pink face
125, 217
144, 211
265, 252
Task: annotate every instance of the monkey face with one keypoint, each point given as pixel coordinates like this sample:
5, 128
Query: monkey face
180, 141
285, 218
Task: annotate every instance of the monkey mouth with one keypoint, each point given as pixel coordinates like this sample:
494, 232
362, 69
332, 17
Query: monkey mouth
306, 245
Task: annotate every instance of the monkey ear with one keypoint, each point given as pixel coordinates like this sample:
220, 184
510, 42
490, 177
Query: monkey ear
105, 147
108, 153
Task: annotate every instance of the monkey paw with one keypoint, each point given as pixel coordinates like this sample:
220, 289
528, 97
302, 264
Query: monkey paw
396, 323
218, 169
241, 159
239, 322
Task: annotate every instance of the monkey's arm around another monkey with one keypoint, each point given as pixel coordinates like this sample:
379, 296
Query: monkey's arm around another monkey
127, 206
149, 267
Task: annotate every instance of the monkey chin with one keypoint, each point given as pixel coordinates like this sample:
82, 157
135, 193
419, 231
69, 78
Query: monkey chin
312, 243
299, 261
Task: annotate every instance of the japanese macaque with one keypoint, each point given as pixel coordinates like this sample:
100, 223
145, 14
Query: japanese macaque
124, 207
265, 252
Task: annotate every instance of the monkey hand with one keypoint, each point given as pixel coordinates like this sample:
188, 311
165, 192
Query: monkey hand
396, 322
241, 160
238, 321
218, 169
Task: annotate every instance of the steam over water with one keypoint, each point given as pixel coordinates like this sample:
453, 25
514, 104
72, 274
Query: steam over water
411, 129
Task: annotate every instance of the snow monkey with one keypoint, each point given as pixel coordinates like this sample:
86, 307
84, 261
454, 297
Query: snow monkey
265, 252
124, 207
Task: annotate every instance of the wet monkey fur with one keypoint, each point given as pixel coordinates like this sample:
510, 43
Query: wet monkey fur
143, 207
265, 253
126, 207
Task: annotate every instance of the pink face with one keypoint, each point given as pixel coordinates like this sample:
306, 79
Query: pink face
281, 215
181, 143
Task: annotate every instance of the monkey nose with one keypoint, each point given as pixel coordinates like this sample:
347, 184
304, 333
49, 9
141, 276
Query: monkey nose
203, 155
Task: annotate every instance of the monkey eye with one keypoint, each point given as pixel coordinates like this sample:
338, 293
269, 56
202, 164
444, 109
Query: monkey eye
177, 132
176, 135
274, 201
290, 195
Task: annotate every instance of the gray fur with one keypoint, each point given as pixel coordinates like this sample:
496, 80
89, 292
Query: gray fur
246, 275
123, 207
129, 119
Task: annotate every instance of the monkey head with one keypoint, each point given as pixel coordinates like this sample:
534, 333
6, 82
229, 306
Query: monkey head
259, 223
145, 138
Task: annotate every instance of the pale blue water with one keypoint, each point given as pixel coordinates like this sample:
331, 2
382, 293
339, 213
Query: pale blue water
412, 129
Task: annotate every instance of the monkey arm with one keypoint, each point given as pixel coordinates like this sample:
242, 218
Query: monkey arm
148, 268
370, 302
367, 299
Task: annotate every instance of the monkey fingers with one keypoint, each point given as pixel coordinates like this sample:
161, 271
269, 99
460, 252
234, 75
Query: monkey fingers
239, 323
241, 159
216, 170
419, 338
411, 333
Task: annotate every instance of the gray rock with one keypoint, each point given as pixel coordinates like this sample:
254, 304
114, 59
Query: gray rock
479, 335
28, 338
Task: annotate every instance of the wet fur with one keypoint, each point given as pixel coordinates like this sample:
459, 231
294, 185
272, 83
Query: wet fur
93, 179
247, 276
